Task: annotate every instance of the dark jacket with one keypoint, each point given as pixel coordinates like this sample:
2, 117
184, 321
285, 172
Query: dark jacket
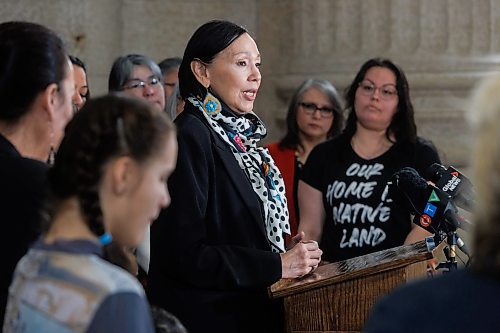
22, 192
210, 258
462, 301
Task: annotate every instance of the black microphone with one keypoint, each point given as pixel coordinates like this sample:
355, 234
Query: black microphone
451, 181
433, 208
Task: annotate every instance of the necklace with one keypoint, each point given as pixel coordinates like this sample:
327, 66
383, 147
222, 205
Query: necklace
298, 158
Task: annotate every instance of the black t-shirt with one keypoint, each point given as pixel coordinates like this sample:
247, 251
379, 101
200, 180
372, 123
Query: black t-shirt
359, 218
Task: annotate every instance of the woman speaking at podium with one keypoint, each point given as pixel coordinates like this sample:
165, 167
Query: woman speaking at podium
220, 245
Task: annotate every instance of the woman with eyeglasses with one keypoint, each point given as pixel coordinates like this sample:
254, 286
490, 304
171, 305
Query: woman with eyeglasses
314, 115
342, 192
138, 76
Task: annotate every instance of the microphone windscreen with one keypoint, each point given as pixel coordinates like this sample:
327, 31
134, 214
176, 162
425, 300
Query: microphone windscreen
408, 179
408, 189
435, 172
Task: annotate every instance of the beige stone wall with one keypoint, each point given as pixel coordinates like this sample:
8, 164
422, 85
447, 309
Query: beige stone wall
444, 46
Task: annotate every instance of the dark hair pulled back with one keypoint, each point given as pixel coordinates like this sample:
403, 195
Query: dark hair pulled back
207, 41
31, 58
106, 127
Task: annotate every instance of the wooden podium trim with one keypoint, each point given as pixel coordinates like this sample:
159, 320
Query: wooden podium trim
353, 268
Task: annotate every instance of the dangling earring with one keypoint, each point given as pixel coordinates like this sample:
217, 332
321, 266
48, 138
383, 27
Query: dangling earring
211, 104
52, 152
52, 156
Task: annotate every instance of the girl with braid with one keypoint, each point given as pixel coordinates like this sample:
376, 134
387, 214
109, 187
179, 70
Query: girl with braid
108, 182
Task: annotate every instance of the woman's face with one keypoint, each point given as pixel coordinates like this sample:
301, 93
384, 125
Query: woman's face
376, 99
147, 195
81, 87
315, 115
144, 84
63, 106
169, 80
234, 74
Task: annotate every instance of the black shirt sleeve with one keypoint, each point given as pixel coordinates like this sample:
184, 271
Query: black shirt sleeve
313, 169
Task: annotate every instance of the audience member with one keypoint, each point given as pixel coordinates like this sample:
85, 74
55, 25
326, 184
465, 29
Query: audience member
108, 182
138, 76
175, 104
170, 72
82, 92
343, 187
314, 115
219, 246
36, 85
465, 300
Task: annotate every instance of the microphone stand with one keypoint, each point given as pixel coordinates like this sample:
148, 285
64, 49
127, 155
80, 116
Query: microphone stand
453, 240
450, 252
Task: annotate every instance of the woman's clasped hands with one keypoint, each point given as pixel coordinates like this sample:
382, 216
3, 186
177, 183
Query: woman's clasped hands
301, 258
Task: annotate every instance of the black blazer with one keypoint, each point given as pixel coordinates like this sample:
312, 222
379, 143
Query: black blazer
210, 258
22, 192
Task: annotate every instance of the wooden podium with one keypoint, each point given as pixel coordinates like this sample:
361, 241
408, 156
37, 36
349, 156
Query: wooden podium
338, 297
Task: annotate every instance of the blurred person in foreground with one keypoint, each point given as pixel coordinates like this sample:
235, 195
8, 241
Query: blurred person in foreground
36, 85
466, 300
108, 183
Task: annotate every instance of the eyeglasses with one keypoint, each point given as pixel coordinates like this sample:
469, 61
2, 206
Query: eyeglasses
310, 108
387, 91
152, 81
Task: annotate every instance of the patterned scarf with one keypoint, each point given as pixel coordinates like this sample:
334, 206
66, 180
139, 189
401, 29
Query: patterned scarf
242, 133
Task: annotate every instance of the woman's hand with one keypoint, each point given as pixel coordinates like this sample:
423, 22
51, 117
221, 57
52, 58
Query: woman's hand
303, 258
296, 240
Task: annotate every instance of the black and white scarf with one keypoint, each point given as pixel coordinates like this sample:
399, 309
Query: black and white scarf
242, 133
